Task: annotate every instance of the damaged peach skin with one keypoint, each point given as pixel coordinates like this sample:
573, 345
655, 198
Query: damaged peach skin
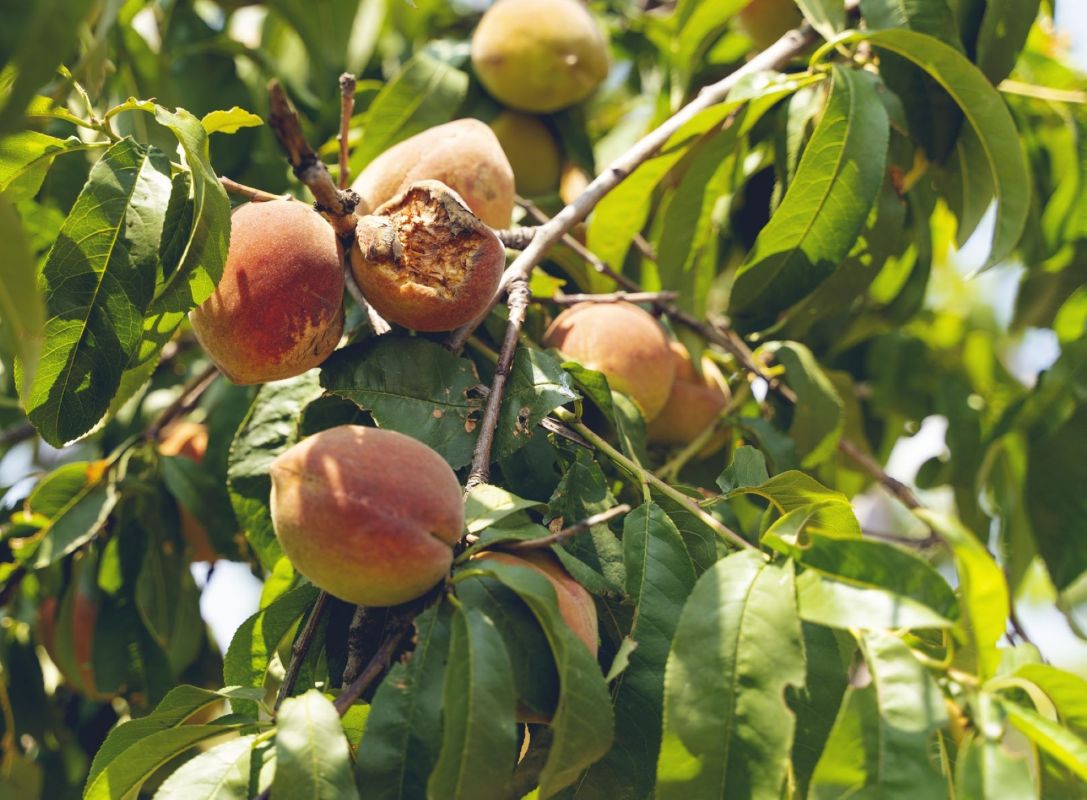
424, 261
278, 308
368, 515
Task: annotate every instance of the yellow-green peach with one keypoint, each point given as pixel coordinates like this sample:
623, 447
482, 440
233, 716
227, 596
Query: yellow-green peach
278, 308
625, 343
368, 515
532, 151
464, 155
766, 21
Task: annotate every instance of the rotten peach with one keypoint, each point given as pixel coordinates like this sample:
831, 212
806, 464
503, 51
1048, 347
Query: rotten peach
424, 261
539, 55
188, 439
278, 308
368, 515
575, 603
622, 341
463, 154
695, 402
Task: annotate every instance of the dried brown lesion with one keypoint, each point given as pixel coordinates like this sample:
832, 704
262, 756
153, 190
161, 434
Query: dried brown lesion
426, 236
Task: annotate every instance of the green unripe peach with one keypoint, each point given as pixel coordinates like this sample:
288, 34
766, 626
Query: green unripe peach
695, 402
625, 343
532, 151
539, 55
278, 308
463, 154
766, 21
423, 260
368, 515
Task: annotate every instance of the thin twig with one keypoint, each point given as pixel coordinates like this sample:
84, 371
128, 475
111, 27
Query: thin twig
778, 54
608, 297
19, 432
347, 108
568, 533
481, 457
875, 470
299, 648
256, 195
380, 660
190, 395
337, 206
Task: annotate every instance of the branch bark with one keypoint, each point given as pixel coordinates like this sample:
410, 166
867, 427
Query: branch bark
568, 533
299, 648
347, 108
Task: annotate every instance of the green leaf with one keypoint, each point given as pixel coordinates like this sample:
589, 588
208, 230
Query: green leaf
819, 414
257, 639
1057, 507
987, 115
825, 207
426, 92
986, 770
1066, 691
312, 759
487, 504
983, 591
22, 312
230, 121
826, 16
583, 724
660, 575
77, 500
1058, 742
413, 386
747, 468
25, 158
222, 773
727, 729
98, 280
1004, 31
838, 604
479, 737
862, 562
272, 425
791, 490
700, 25
403, 732
880, 743
537, 385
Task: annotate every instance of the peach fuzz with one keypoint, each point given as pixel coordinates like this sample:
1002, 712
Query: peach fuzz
368, 515
625, 343
278, 308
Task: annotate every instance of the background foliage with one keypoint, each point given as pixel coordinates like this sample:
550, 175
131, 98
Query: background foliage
819, 210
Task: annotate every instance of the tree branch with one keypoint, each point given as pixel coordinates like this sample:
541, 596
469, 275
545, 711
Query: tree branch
778, 54
347, 108
393, 636
568, 533
481, 457
299, 648
610, 297
185, 402
255, 195
875, 470
337, 206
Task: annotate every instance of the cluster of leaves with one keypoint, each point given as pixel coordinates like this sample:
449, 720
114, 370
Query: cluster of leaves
815, 207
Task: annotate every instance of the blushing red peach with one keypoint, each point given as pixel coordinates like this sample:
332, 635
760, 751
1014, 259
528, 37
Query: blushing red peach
368, 515
463, 154
622, 341
424, 261
189, 439
695, 401
278, 308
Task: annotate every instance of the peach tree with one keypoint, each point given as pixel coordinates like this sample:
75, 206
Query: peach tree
546, 362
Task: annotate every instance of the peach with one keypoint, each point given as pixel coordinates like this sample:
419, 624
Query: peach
368, 515
696, 401
539, 55
625, 343
278, 308
423, 260
463, 154
189, 439
766, 21
575, 603
573, 182
66, 628
532, 151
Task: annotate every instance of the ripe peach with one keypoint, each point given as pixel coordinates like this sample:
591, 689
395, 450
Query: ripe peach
575, 603
189, 440
531, 149
696, 400
368, 515
622, 341
424, 261
66, 629
539, 55
573, 182
463, 154
278, 309
766, 21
